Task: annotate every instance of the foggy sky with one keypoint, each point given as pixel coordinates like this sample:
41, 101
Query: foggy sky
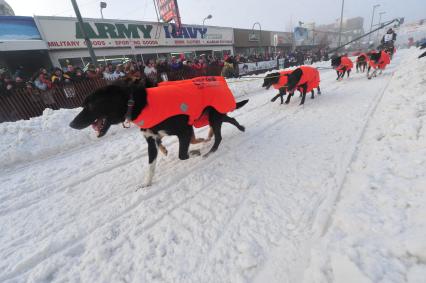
279, 15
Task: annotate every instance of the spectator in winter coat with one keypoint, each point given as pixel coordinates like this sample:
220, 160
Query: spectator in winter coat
228, 68
91, 73
43, 82
151, 72
108, 74
118, 73
175, 65
58, 77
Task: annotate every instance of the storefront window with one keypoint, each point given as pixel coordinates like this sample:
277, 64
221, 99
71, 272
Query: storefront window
204, 52
164, 56
147, 57
218, 54
115, 60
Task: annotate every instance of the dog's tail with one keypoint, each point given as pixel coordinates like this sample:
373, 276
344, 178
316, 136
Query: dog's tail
241, 103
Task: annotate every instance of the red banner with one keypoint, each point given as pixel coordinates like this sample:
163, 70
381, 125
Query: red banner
169, 11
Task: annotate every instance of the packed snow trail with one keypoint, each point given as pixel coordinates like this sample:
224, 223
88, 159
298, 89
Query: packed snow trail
246, 213
377, 231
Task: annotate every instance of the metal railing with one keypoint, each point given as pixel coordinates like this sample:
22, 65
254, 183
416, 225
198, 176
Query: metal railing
25, 103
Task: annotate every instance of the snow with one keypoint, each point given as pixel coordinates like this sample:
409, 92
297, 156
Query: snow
332, 191
378, 230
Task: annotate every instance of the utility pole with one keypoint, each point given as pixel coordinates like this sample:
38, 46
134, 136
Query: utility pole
341, 23
86, 38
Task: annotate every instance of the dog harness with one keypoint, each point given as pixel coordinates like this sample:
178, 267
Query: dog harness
310, 76
186, 97
345, 64
383, 61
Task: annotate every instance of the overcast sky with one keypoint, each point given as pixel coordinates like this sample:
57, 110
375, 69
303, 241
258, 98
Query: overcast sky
277, 15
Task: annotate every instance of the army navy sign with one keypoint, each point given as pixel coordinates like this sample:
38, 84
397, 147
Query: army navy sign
65, 33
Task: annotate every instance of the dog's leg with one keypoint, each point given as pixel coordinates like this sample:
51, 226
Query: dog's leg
282, 93
210, 134
349, 72
312, 94
275, 97
215, 121
234, 122
338, 75
287, 101
161, 147
184, 141
152, 156
304, 95
319, 90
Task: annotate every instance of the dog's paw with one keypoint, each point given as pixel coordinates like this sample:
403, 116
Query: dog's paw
242, 128
287, 102
195, 152
163, 150
207, 155
143, 186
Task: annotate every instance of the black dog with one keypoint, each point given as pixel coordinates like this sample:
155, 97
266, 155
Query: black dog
335, 63
361, 63
375, 57
272, 79
293, 84
110, 105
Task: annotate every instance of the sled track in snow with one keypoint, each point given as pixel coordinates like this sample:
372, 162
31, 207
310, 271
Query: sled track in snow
325, 220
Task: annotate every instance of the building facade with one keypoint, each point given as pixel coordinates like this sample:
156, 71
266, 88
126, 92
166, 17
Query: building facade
116, 40
248, 42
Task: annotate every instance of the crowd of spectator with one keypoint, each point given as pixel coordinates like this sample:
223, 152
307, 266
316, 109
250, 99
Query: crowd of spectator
174, 68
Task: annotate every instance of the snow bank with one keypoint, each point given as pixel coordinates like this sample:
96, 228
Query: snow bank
378, 231
41, 137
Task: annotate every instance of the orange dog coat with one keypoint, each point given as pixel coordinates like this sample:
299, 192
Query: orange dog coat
345, 63
383, 61
187, 97
310, 76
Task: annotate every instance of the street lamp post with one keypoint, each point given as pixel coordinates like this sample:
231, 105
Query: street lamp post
380, 22
103, 5
206, 18
372, 19
260, 33
341, 23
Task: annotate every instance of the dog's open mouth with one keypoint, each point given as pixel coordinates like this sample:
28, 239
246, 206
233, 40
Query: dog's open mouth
100, 126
